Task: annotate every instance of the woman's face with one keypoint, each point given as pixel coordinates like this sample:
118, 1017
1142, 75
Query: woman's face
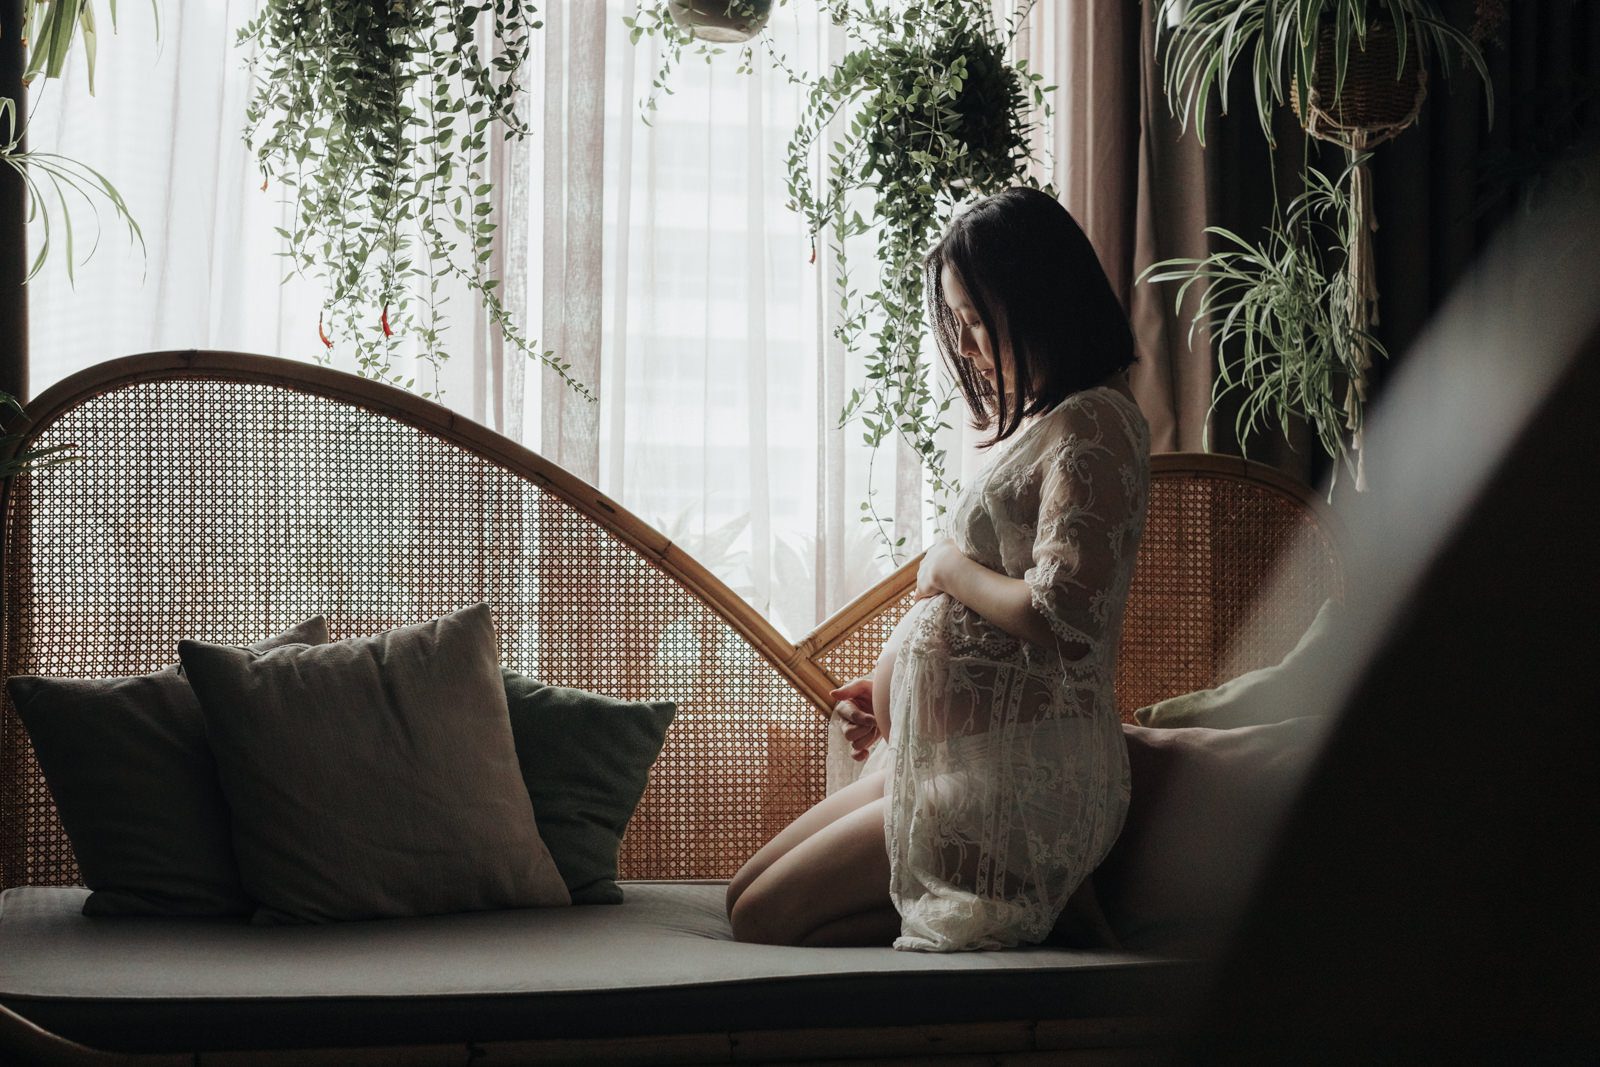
973, 342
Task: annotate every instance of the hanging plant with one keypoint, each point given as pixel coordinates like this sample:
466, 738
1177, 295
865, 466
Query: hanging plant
702, 28
55, 183
1284, 42
1355, 72
375, 118
1279, 314
934, 114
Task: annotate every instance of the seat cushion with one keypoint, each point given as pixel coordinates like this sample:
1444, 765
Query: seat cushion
1205, 808
664, 961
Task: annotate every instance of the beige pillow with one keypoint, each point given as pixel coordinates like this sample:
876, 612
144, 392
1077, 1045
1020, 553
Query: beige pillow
1271, 694
374, 777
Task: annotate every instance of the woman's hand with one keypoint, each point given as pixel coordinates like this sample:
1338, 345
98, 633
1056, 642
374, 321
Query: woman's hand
937, 563
853, 706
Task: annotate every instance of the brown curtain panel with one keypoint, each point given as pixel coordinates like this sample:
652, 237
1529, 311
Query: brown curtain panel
1443, 188
1140, 191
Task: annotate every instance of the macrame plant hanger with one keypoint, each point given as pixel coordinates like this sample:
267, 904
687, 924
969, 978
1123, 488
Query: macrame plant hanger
1380, 98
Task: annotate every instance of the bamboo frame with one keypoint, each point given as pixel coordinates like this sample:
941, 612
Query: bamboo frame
798, 662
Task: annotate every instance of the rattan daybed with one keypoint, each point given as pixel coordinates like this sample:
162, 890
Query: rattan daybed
226, 496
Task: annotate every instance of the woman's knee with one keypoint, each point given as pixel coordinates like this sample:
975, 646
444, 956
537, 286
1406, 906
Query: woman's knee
739, 883
758, 918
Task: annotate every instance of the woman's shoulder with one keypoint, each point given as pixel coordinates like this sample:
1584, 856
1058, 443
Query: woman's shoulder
1088, 411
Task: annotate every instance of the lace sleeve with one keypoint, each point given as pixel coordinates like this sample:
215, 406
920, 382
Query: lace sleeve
1090, 508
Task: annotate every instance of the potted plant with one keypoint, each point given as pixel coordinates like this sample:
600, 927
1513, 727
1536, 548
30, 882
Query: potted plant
1292, 335
722, 21
376, 118
702, 27
931, 114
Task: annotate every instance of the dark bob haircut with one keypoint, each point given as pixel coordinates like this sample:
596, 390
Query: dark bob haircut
1038, 288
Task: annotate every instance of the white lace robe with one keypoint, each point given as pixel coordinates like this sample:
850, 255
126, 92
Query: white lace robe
1008, 774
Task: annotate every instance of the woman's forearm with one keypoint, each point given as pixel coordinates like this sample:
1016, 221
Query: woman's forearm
1002, 600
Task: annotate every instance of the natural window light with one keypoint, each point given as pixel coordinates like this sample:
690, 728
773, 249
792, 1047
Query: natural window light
720, 383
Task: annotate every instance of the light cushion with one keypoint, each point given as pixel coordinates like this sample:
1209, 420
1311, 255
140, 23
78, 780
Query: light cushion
585, 759
1270, 694
374, 777
1205, 807
134, 782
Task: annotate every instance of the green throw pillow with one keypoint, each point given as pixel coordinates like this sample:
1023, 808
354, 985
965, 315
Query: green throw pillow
586, 759
131, 773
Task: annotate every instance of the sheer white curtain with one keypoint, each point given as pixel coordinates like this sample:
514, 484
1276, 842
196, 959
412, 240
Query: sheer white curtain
660, 259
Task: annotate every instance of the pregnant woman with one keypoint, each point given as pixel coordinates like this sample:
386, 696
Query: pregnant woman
997, 777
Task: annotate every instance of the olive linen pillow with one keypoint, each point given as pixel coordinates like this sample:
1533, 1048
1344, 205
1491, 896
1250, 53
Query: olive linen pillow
134, 782
1270, 694
586, 760
374, 777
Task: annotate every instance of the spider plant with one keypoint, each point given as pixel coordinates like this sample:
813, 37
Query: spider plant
1279, 40
55, 183
1279, 314
32, 458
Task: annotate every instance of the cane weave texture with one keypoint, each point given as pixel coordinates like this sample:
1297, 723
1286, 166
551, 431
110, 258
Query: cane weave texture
227, 497
229, 510
1379, 99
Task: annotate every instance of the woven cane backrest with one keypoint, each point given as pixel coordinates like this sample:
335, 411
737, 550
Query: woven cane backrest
227, 497
1217, 532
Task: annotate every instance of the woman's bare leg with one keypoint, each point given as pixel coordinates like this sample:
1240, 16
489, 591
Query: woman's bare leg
830, 888
877, 927
860, 792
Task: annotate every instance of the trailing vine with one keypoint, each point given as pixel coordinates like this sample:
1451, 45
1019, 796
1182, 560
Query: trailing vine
654, 18
934, 115
376, 119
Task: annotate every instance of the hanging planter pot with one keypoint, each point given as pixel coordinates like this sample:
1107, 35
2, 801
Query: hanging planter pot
1379, 98
721, 21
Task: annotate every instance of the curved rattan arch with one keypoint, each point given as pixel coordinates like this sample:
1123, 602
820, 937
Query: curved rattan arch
769, 768
391, 402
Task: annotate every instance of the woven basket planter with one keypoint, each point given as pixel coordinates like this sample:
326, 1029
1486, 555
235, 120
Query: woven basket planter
721, 21
1379, 97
